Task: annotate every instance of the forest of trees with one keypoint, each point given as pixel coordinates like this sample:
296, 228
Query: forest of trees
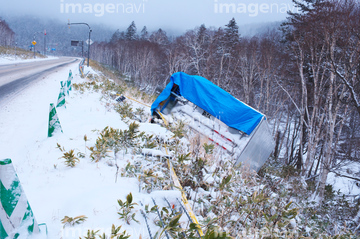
22, 30
304, 76
6, 34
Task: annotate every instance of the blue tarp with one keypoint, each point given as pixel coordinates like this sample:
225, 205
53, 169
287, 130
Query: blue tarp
213, 100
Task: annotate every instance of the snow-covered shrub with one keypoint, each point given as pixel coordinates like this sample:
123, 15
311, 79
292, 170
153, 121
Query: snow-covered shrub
125, 110
70, 158
178, 129
91, 234
140, 114
125, 212
100, 150
82, 87
131, 171
109, 86
209, 148
151, 181
111, 139
71, 221
149, 141
115, 233
169, 223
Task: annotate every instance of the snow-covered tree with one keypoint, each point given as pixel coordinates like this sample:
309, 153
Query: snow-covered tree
144, 35
231, 37
117, 36
159, 37
130, 33
315, 37
6, 34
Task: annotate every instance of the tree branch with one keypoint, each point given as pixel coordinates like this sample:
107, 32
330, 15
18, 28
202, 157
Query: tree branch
290, 99
345, 176
350, 88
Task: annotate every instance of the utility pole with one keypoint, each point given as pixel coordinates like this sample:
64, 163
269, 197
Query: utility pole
15, 49
34, 43
82, 23
82, 49
45, 42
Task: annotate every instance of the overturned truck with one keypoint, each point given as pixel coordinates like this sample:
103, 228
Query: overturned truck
238, 129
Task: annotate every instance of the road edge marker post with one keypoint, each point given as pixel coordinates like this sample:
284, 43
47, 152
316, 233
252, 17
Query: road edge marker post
54, 122
16, 216
68, 83
61, 98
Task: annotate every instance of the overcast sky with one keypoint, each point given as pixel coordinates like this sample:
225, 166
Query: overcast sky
179, 15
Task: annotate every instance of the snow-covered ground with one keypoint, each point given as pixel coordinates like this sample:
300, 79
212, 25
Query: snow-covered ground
345, 185
4, 60
55, 190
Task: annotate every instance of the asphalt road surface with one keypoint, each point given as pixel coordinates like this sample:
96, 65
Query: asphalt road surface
17, 76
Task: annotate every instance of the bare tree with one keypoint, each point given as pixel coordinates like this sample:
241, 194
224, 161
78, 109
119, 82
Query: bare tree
6, 34
315, 34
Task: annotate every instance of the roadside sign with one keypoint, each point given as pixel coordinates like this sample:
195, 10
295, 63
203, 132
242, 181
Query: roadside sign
74, 43
87, 41
33, 42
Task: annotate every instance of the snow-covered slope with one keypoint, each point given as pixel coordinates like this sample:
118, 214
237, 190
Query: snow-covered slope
55, 190
92, 188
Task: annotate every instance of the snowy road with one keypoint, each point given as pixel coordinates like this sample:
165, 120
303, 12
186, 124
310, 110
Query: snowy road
17, 76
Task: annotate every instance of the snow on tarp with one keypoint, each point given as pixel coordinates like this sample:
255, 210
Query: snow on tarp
213, 100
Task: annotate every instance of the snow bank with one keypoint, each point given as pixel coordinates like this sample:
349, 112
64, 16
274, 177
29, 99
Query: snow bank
5, 60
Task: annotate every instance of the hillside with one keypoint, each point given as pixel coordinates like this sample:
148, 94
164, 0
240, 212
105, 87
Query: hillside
58, 34
78, 181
